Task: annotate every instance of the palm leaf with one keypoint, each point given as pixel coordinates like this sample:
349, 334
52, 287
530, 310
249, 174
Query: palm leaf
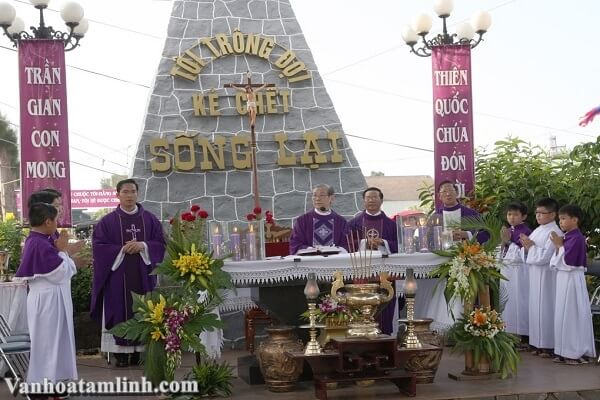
487, 223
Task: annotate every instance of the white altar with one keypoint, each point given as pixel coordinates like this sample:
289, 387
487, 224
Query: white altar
277, 271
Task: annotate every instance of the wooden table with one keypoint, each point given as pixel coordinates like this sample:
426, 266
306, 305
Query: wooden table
358, 359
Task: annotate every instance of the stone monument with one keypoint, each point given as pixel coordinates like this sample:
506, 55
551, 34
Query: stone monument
195, 145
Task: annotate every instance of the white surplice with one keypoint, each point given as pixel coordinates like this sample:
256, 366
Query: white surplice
50, 320
516, 309
542, 286
573, 329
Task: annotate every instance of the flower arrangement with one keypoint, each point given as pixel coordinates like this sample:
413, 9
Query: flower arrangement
472, 266
482, 332
187, 259
255, 215
166, 325
171, 323
330, 310
192, 223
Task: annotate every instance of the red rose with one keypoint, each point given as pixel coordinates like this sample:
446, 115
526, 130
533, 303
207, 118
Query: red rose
203, 214
250, 217
192, 218
195, 208
257, 210
186, 216
171, 221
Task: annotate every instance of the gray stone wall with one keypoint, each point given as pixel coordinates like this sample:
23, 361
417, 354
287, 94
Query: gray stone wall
227, 194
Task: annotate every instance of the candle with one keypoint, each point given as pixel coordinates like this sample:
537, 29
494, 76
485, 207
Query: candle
437, 237
217, 242
251, 243
236, 248
447, 241
408, 239
423, 245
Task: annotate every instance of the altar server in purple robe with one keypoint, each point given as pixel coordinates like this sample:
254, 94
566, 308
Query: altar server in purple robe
47, 268
516, 287
127, 245
321, 226
536, 253
573, 329
376, 231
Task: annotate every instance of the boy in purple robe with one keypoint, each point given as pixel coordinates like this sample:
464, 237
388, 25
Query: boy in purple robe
47, 268
127, 244
376, 231
516, 309
321, 226
573, 329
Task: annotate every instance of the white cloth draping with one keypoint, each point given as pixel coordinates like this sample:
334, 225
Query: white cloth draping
516, 288
254, 273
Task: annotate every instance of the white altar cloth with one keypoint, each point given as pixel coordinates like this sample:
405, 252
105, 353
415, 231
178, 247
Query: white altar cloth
282, 269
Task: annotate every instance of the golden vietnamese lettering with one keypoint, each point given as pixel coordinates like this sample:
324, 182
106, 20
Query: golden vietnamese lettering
182, 153
190, 64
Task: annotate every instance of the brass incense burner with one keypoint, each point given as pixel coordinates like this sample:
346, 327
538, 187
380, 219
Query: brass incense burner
362, 299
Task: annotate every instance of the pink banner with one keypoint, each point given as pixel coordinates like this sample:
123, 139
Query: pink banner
44, 127
99, 198
453, 117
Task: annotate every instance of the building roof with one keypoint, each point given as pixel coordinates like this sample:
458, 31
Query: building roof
400, 187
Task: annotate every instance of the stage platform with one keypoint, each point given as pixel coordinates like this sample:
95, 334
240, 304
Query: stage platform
536, 379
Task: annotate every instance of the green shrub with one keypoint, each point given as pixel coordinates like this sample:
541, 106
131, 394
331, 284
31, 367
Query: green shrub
11, 236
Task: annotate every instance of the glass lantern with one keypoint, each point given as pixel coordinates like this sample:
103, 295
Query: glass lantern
237, 240
254, 241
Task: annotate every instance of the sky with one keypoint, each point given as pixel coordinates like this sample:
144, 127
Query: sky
534, 75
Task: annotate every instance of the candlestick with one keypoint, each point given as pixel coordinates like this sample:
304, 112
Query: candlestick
410, 289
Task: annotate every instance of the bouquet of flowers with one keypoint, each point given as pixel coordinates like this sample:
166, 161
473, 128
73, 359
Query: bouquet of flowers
187, 259
166, 326
482, 332
170, 324
330, 309
472, 266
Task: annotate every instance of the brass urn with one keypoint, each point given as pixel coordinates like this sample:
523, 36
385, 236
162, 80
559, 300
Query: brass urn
279, 370
362, 299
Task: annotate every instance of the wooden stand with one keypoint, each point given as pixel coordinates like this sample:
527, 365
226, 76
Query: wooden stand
358, 359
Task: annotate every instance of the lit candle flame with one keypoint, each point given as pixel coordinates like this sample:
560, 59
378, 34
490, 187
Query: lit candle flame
251, 229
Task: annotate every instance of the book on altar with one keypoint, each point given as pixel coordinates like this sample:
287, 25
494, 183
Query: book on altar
320, 251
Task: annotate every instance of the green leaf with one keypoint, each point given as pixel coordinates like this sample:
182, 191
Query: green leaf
156, 359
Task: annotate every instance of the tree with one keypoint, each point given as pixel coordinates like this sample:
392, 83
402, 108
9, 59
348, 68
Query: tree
9, 165
111, 183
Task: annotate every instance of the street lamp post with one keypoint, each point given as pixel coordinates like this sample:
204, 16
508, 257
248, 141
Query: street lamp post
480, 23
450, 54
44, 127
72, 14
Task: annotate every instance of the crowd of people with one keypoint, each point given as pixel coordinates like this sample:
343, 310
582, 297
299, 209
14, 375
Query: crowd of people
547, 300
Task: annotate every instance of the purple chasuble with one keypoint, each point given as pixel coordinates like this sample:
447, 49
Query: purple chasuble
375, 226
39, 258
575, 249
111, 290
482, 236
311, 226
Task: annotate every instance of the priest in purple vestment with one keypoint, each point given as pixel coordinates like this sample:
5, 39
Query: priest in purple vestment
127, 245
379, 233
452, 212
321, 226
